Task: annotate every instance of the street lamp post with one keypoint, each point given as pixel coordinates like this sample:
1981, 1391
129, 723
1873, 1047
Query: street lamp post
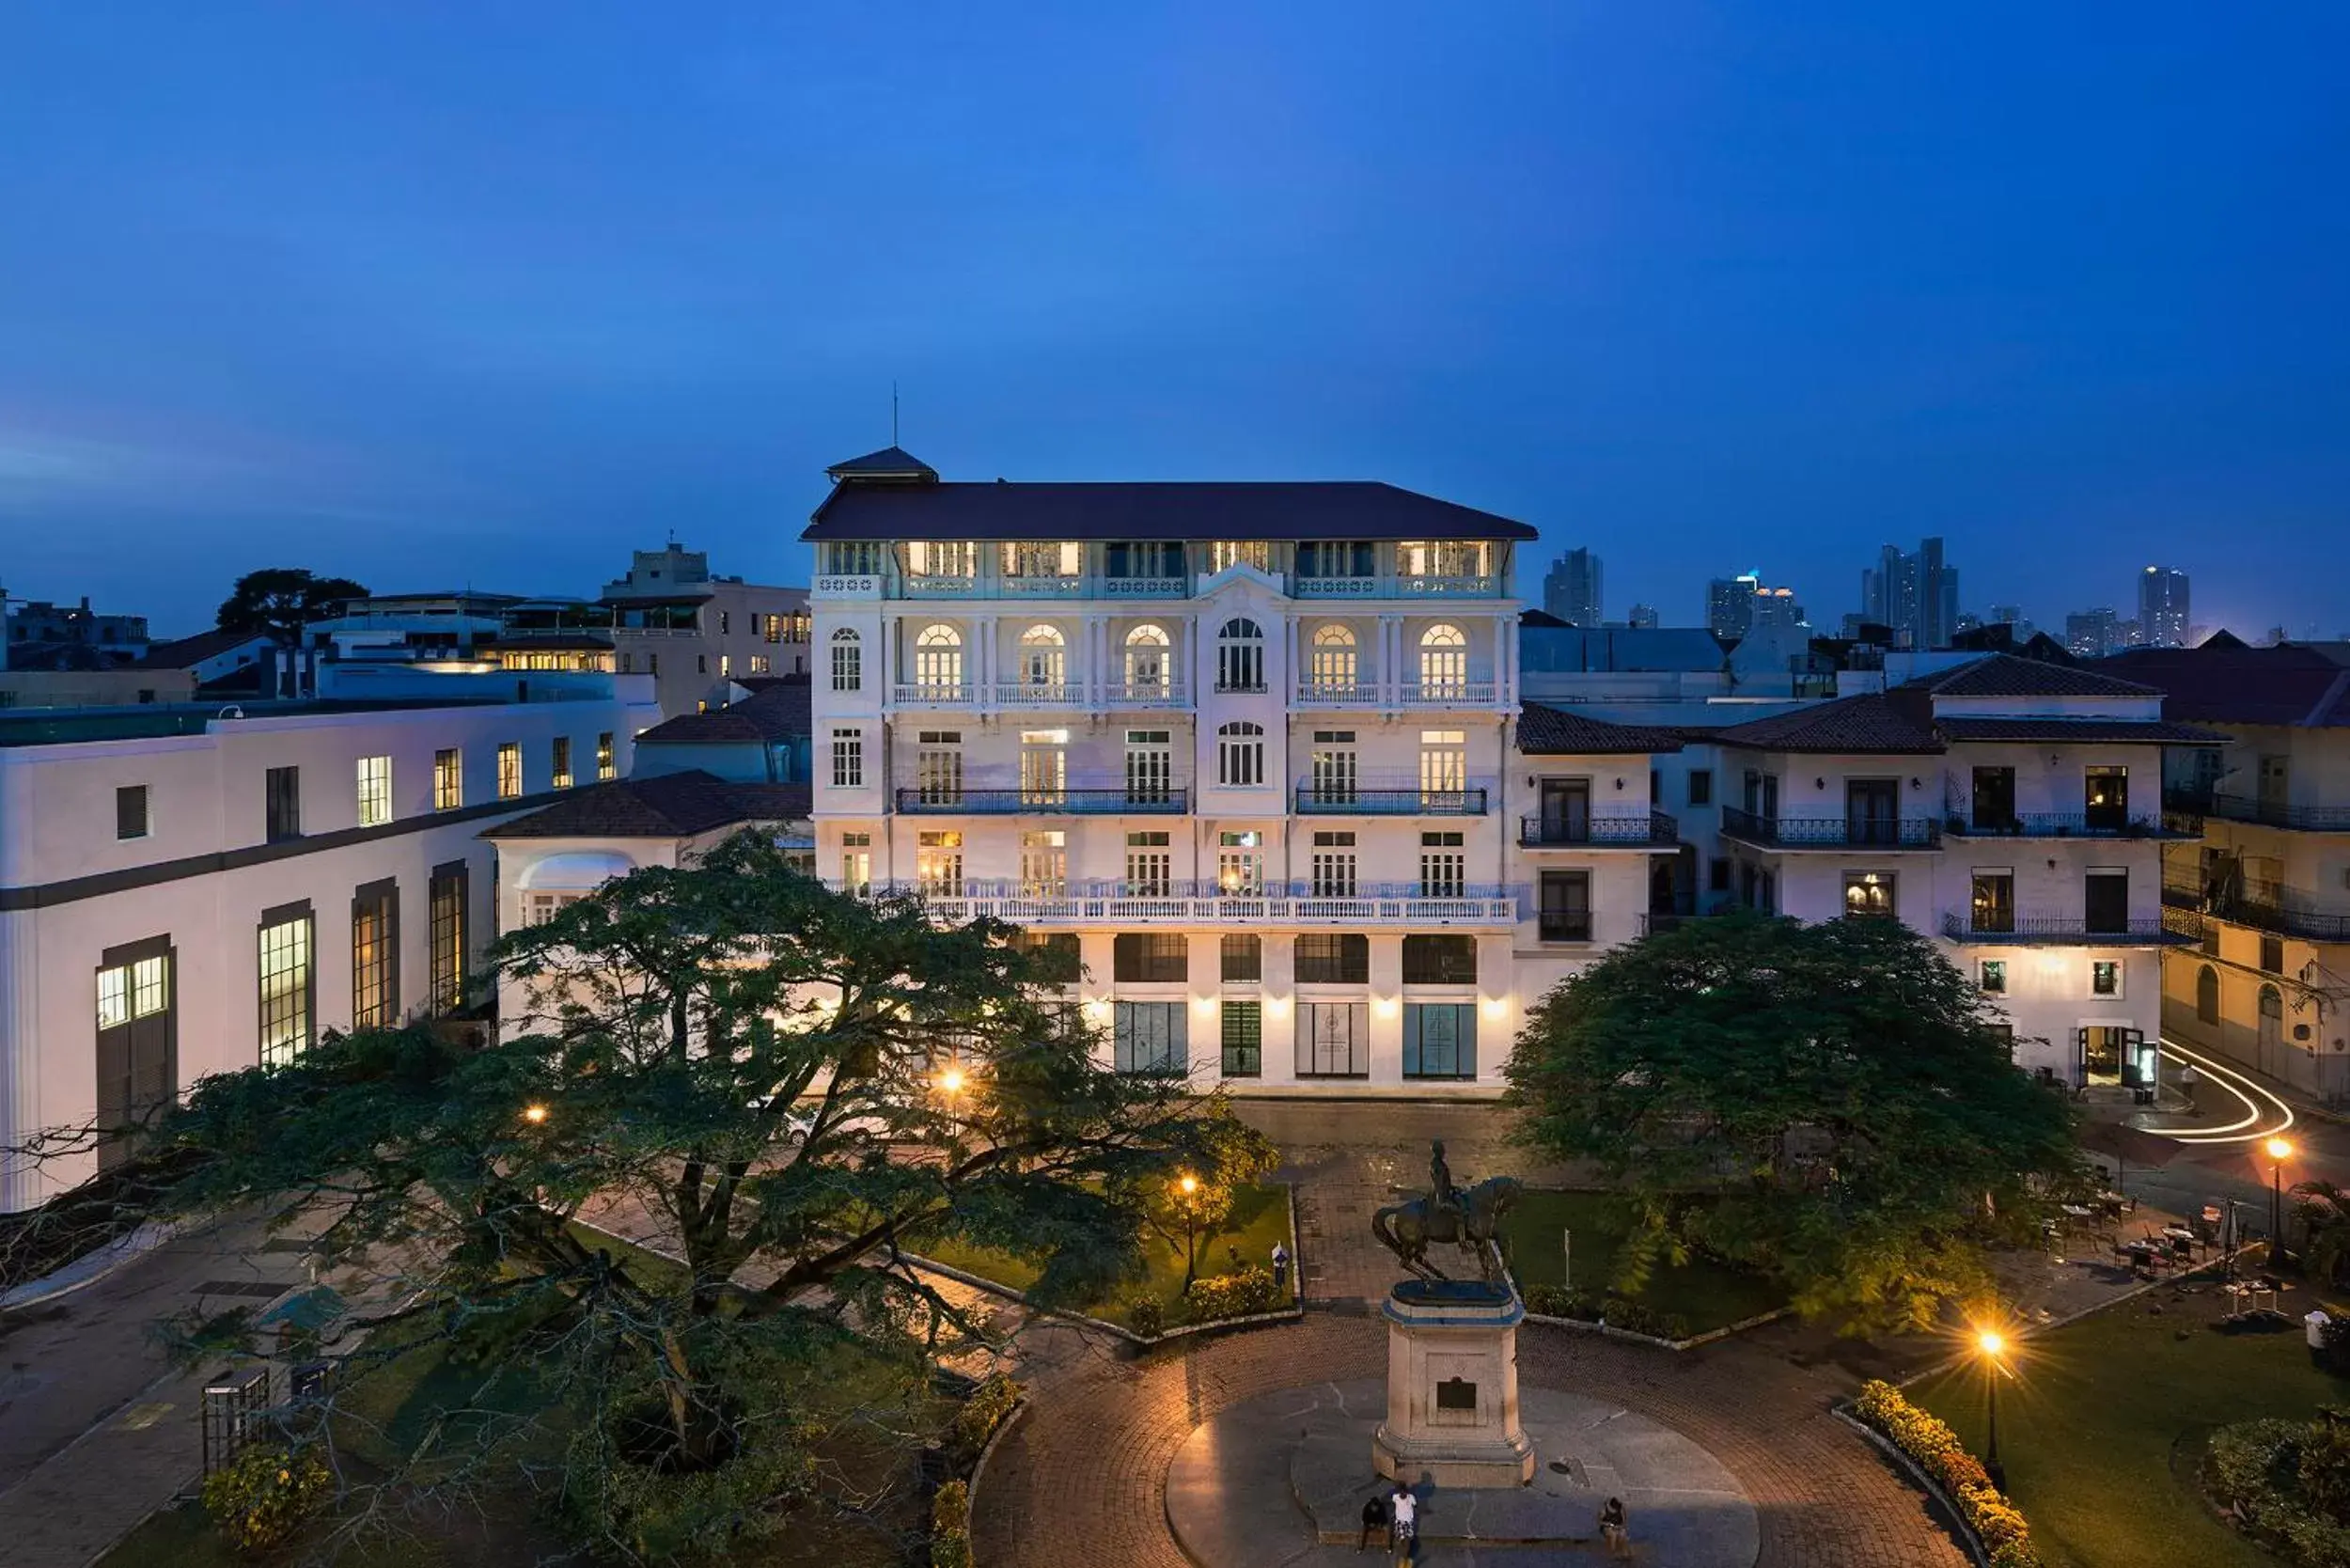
1991, 1344
2279, 1150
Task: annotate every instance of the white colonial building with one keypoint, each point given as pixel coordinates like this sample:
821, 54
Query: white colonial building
1244, 751
187, 891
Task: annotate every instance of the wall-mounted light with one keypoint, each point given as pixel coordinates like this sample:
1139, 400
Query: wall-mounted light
1204, 1004
1819, 783
1619, 783
1916, 785
1384, 1006
1277, 1007
1496, 1007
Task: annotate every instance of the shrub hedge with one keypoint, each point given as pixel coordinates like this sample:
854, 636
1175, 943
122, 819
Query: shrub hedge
260, 1498
950, 1526
983, 1412
1935, 1447
1559, 1301
2285, 1481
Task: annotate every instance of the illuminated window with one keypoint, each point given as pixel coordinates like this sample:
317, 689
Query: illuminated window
938, 863
511, 769
1147, 662
448, 779
285, 988
1990, 976
445, 899
1444, 557
1043, 767
1244, 552
1044, 864
1240, 862
1042, 662
856, 862
375, 790
938, 660
1443, 766
606, 768
1332, 670
560, 764
374, 957
938, 766
538, 909
1149, 865
953, 558
1443, 662
1034, 558
1868, 893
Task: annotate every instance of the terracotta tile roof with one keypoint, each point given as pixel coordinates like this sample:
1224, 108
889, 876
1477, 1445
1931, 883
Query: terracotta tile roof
1876, 722
666, 805
2005, 675
2149, 731
1550, 732
1267, 509
777, 711
2232, 684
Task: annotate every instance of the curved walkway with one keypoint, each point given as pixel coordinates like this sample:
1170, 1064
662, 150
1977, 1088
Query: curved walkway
1081, 1480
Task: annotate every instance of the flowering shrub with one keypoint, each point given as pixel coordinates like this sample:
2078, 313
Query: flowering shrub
983, 1412
1232, 1295
260, 1498
950, 1527
2000, 1526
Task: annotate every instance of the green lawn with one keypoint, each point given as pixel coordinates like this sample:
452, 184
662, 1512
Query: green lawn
1261, 1216
1706, 1294
2102, 1427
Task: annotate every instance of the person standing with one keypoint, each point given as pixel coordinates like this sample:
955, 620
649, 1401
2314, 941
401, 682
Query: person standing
1280, 1271
1402, 1526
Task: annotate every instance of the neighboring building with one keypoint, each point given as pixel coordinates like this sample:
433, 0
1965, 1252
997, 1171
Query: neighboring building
2011, 615
762, 738
1641, 616
1730, 603
216, 661
694, 632
1916, 595
1570, 589
2162, 607
2008, 806
1774, 607
1242, 749
2269, 879
193, 890
46, 636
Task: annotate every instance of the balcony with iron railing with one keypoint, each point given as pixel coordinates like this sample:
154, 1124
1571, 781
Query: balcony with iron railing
1114, 800
2060, 931
997, 585
1823, 832
2259, 812
2262, 904
1212, 904
1966, 823
1625, 830
1328, 798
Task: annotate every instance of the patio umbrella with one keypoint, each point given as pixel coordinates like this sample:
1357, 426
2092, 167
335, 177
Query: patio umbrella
2126, 1143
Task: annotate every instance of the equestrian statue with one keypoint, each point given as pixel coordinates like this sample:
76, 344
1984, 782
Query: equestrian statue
1469, 1218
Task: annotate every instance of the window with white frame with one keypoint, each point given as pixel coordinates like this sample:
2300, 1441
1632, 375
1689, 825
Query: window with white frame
1330, 671
1034, 559
1149, 767
1333, 1039
1334, 865
375, 790
1044, 662
1240, 753
1240, 656
1240, 552
848, 759
1443, 661
1043, 767
1990, 976
856, 862
938, 660
2105, 977
286, 986
538, 909
855, 558
1044, 864
1149, 865
1148, 662
1240, 861
1444, 557
1439, 1040
938, 766
1335, 767
848, 661
943, 557
938, 863
1151, 1037
1443, 762
1443, 866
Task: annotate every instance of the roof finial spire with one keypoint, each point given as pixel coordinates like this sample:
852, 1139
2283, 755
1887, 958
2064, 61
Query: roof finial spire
893, 411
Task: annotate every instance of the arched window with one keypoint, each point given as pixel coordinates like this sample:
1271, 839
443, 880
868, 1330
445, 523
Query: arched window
2272, 1005
938, 659
1240, 753
1443, 662
1332, 671
848, 661
1240, 656
1146, 662
2207, 994
1040, 657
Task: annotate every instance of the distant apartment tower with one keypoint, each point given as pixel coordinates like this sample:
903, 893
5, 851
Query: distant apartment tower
2162, 607
1775, 607
1916, 595
42, 636
2011, 615
1570, 589
1730, 603
1641, 616
2093, 633
696, 632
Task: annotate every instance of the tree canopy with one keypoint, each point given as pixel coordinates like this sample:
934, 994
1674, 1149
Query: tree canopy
1840, 1090
281, 600
777, 1088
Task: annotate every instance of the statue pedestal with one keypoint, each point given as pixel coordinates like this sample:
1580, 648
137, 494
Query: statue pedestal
1452, 1387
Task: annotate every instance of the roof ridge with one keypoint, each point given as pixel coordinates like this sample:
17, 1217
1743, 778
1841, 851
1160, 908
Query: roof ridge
2315, 717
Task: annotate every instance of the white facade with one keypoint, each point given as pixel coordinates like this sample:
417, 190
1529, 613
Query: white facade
1266, 791
153, 865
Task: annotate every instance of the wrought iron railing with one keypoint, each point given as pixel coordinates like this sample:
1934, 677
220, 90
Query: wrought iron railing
1173, 800
2059, 930
1208, 903
1626, 831
1826, 832
1345, 800
2056, 824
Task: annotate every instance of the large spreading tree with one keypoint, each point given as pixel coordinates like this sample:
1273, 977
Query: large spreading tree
1840, 1094
778, 1091
281, 600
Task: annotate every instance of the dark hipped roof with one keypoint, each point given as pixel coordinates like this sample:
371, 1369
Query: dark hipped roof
2232, 684
1875, 721
185, 652
667, 806
1552, 732
777, 711
891, 462
2145, 731
1267, 509
2005, 675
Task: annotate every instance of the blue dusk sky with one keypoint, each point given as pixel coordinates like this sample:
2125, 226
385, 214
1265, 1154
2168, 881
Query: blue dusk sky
489, 294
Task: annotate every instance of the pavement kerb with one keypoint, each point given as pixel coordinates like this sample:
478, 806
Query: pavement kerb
978, 1469
1926, 1484
1587, 1326
94, 1265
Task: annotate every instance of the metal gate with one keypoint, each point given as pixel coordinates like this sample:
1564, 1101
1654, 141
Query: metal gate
235, 1413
